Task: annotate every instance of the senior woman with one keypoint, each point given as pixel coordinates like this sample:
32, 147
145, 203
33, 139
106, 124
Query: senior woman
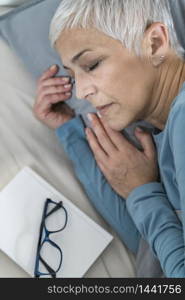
126, 61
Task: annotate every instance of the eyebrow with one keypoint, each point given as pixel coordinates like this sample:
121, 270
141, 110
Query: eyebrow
77, 56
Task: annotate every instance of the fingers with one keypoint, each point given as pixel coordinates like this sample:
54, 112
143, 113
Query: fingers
51, 90
117, 137
52, 71
51, 96
46, 103
98, 151
49, 93
102, 136
146, 142
48, 85
55, 89
55, 81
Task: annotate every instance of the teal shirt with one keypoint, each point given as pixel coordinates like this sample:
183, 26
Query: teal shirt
110, 205
158, 209
150, 210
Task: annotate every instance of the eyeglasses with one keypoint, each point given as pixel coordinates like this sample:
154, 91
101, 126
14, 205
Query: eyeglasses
49, 255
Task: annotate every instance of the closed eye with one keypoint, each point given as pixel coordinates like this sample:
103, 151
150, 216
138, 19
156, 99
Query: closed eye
94, 66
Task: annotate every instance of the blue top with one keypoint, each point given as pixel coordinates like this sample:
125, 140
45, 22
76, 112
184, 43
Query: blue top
150, 210
154, 207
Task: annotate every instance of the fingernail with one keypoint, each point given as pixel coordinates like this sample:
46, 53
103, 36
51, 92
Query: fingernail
68, 94
67, 86
65, 79
139, 129
99, 114
53, 67
90, 117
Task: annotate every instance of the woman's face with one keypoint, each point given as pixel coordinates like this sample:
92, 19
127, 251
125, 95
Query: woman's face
112, 79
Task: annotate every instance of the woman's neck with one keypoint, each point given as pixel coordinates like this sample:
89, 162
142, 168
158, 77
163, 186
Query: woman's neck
170, 77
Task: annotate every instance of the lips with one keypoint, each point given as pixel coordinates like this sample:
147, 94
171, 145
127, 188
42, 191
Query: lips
104, 108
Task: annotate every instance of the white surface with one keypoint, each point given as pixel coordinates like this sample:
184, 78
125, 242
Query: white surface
13, 2
21, 207
25, 141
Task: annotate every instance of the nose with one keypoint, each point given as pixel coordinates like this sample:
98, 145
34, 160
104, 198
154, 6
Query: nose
84, 87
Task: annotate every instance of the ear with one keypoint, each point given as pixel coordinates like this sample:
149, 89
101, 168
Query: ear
156, 43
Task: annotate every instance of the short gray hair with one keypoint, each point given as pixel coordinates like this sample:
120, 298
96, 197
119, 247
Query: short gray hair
124, 20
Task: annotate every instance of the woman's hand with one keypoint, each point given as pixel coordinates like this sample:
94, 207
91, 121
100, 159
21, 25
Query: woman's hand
52, 91
124, 166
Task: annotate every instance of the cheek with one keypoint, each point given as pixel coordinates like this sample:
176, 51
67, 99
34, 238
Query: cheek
126, 111
131, 79
133, 94
120, 87
130, 90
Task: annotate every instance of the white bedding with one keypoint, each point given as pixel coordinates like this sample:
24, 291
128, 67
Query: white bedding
25, 141
12, 2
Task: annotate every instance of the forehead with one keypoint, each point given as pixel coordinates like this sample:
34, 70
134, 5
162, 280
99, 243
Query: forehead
72, 41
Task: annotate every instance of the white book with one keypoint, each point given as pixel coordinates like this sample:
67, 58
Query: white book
21, 207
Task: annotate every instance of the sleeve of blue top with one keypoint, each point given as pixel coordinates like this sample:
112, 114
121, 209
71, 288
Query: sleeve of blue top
153, 214
110, 205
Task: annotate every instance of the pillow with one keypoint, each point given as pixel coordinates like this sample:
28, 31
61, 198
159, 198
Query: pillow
177, 10
26, 30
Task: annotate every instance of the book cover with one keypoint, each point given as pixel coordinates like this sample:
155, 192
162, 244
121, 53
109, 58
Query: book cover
21, 208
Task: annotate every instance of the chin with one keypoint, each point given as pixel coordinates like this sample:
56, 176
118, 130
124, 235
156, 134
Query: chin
115, 125
119, 121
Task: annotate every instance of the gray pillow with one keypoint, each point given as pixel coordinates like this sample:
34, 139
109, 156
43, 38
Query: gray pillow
178, 14
26, 30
